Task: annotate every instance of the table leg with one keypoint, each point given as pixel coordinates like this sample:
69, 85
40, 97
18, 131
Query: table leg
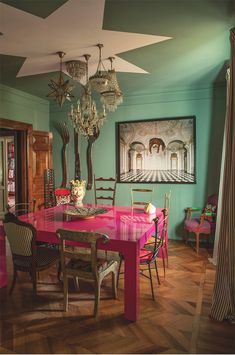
131, 283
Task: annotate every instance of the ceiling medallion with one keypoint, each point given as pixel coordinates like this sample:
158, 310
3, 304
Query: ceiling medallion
60, 88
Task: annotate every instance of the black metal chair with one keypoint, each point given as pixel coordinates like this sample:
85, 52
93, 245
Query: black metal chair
149, 255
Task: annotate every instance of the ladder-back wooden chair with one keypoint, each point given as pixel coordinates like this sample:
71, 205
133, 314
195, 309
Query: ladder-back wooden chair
83, 263
140, 197
106, 187
26, 255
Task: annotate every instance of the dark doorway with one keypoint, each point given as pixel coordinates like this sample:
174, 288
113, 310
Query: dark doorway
16, 163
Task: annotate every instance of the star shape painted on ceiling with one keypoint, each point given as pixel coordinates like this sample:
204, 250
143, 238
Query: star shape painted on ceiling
75, 28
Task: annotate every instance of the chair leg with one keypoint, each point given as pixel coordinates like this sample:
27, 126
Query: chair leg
151, 281
59, 272
34, 281
167, 260
13, 281
186, 236
119, 269
156, 268
163, 262
76, 282
197, 242
114, 283
65, 281
208, 242
97, 298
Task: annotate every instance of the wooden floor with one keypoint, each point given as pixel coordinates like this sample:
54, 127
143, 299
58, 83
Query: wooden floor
177, 322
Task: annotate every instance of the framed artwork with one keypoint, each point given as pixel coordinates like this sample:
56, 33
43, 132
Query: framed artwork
156, 151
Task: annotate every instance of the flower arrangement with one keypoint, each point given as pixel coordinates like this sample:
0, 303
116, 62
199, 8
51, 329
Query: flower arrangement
78, 183
77, 191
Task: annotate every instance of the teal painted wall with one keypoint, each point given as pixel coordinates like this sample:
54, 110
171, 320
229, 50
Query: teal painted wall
208, 105
19, 106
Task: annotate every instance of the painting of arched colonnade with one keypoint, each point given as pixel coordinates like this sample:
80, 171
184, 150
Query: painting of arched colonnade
159, 150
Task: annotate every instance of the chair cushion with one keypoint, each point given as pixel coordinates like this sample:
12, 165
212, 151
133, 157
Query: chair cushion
82, 265
101, 254
145, 255
192, 225
45, 256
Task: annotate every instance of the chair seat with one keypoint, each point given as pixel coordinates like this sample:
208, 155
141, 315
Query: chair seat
83, 265
145, 255
101, 254
192, 225
45, 256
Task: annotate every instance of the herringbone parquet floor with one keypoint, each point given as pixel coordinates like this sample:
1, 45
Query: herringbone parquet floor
177, 322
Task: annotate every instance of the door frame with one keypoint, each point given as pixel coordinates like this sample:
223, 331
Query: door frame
25, 130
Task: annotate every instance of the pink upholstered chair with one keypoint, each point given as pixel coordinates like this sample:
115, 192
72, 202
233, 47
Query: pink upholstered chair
203, 223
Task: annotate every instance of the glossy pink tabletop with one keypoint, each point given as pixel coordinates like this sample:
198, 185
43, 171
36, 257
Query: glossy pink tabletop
120, 223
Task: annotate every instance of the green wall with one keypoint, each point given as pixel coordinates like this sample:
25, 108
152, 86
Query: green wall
208, 105
19, 106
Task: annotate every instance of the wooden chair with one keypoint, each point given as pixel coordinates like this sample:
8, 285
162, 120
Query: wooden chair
204, 223
149, 255
22, 208
26, 255
140, 197
167, 203
167, 200
82, 263
105, 185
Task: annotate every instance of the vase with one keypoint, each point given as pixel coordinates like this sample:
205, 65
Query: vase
78, 193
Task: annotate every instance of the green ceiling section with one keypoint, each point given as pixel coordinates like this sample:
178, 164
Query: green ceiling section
199, 50
35, 84
195, 57
9, 67
36, 7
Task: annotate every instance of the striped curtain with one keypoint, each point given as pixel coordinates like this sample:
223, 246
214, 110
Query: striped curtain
223, 299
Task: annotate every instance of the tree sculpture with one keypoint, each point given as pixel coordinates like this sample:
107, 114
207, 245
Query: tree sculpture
91, 140
63, 130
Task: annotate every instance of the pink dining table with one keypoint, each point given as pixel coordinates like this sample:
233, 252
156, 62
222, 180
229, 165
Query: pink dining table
128, 229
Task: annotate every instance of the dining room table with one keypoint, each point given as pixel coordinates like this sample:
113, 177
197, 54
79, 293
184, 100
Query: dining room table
128, 229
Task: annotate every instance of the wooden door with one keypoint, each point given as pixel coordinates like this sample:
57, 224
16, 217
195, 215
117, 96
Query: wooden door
42, 159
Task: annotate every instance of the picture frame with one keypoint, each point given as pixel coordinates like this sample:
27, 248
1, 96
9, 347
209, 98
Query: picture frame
161, 150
